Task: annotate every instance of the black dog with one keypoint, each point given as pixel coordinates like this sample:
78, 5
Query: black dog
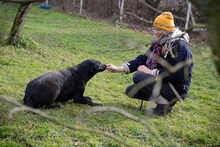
62, 85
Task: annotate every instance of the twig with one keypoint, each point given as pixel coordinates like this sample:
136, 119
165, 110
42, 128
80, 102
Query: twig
159, 11
112, 50
142, 19
170, 69
162, 62
126, 114
78, 128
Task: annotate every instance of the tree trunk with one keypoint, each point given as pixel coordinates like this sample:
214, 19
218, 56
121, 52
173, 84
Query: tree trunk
18, 23
150, 13
210, 8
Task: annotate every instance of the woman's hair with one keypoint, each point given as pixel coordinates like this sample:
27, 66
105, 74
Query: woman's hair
165, 32
164, 49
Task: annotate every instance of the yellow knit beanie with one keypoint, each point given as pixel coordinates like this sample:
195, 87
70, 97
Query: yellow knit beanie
165, 21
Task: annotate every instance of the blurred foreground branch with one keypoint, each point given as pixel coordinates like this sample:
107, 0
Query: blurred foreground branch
126, 114
170, 69
77, 128
137, 46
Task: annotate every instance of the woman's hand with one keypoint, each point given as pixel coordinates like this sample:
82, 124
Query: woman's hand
144, 69
114, 69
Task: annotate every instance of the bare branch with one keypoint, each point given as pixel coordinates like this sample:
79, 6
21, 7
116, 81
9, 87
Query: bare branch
160, 60
126, 114
142, 19
78, 128
109, 50
159, 11
150, 80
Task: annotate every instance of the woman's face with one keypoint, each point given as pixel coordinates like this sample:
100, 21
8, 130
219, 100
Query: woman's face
158, 33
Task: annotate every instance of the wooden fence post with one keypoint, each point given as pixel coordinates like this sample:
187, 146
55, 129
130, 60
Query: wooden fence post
121, 9
81, 7
188, 14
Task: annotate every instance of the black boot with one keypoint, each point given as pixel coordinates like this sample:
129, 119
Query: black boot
162, 110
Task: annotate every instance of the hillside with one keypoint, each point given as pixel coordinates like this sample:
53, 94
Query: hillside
53, 41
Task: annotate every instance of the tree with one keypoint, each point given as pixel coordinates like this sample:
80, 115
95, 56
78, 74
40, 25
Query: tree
211, 11
150, 13
19, 19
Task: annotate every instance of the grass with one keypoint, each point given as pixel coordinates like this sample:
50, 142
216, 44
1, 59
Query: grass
52, 41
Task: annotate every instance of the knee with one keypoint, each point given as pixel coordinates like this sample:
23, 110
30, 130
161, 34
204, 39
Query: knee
140, 76
137, 77
128, 89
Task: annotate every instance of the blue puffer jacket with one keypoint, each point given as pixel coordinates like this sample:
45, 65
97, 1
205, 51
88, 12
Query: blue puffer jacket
178, 79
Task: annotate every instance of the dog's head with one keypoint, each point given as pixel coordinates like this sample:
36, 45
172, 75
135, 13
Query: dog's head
88, 68
95, 66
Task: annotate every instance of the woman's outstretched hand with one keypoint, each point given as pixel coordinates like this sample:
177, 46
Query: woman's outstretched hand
115, 69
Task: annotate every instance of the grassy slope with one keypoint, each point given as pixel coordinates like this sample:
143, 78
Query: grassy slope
54, 41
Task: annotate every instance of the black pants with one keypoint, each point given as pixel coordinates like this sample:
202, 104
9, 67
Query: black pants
146, 92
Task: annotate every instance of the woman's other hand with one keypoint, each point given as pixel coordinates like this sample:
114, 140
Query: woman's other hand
144, 69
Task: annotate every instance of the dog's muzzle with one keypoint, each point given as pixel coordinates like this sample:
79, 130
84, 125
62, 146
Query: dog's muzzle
102, 67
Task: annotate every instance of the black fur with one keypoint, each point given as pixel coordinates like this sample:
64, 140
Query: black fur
62, 85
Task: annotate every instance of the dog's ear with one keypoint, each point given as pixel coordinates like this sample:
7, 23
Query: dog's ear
96, 66
94, 69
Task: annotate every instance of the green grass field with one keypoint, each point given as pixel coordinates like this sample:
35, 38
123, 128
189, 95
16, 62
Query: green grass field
53, 41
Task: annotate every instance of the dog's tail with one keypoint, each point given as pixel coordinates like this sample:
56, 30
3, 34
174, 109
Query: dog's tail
28, 101
52, 107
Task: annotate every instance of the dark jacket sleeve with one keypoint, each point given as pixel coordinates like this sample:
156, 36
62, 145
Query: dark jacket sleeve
133, 64
138, 61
